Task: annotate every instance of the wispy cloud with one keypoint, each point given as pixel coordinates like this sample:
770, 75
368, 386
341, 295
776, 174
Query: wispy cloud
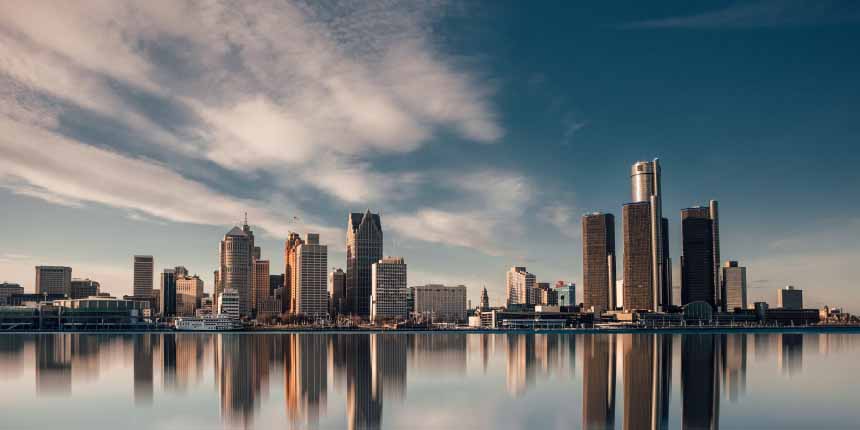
768, 13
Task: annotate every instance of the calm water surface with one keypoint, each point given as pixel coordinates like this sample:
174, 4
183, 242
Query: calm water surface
436, 381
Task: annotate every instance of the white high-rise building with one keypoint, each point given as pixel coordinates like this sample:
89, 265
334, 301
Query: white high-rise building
312, 277
388, 289
440, 303
144, 269
54, 280
520, 286
228, 303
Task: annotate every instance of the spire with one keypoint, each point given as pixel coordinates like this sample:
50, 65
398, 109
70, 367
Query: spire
246, 218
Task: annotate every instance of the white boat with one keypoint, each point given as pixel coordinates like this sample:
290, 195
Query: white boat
207, 323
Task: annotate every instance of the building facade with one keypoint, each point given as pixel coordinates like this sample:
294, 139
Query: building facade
237, 252
566, 292
144, 273
8, 290
83, 288
598, 262
54, 280
440, 304
311, 295
337, 291
168, 293
485, 299
638, 276
734, 280
388, 289
291, 246
697, 260
229, 303
363, 250
789, 298
520, 285
260, 283
646, 187
189, 294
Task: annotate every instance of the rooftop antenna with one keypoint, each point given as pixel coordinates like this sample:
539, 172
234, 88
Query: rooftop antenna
246, 218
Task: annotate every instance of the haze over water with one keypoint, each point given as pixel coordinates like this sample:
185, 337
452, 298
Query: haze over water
398, 380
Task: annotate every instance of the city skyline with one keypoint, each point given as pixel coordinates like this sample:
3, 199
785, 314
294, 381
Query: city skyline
477, 142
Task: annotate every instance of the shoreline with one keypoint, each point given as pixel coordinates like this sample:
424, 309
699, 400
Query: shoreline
571, 331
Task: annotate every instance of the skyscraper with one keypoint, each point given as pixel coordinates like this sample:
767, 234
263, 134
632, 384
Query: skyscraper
646, 191
519, 286
789, 298
598, 262
337, 290
734, 286
168, 293
54, 280
363, 249
260, 283
697, 260
720, 295
291, 246
388, 289
485, 299
311, 295
189, 293
144, 270
236, 267
638, 277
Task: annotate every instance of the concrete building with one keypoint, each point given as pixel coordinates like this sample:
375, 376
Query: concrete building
311, 294
144, 273
229, 303
189, 293
291, 246
260, 283
638, 276
168, 293
566, 292
337, 291
697, 260
440, 303
519, 286
734, 288
646, 187
269, 308
388, 289
789, 298
275, 282
363, 250
598, 262
485, 299
237, 262
7, 290
54, 280
83, 288
544, 295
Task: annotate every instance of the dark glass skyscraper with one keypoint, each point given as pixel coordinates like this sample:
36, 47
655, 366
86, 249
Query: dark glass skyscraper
363, 248
598, 261
697, 261
168, 293
638, 291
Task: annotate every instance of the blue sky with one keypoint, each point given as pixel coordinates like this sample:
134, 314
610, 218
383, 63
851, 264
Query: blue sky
480, 131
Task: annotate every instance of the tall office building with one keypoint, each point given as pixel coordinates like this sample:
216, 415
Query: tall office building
646, 188
520, 285
83, 288
720, 295
144, 271
440, 303
168, 293
291, 246
789, 298
734, 286
54, 280
485, 299
638, 277
697, 260
216, 287
237, 252
363, 249
189, 294
337, 291
260, 283
598, 262
311, 296
388, 289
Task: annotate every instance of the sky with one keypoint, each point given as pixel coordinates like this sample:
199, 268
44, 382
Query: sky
481, 132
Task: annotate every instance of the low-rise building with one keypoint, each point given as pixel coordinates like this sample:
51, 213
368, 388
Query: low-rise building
228, 303
789, 298
83, 288
7, 290
439, 303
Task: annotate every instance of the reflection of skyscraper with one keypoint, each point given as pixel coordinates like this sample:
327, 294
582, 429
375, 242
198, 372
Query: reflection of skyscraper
790, 354
53, 364
143, 369
647, 380
363, 404
236, 378
168, 360
734, 365
699, 381
598, 262
598, 387
306, 378
388, 361
521, 363
363, 248
441, 354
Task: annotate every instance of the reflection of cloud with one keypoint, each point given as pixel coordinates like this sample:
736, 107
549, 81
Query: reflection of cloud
767, 13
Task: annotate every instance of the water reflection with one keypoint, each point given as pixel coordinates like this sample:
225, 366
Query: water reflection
360, 381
